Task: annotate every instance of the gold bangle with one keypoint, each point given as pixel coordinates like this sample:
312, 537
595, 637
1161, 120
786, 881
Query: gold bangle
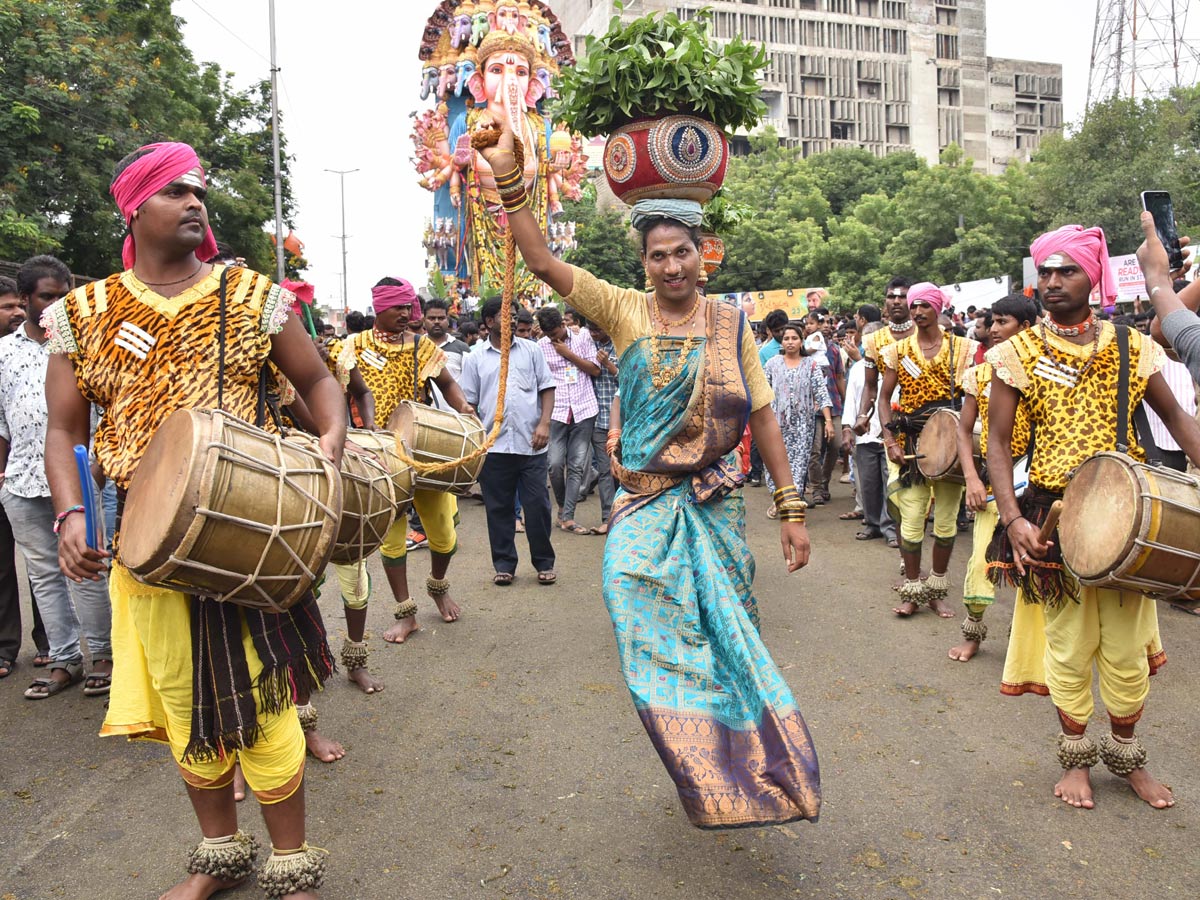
512, 206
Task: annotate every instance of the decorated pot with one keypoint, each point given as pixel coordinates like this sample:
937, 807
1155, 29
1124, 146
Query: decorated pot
678, 157
712, 251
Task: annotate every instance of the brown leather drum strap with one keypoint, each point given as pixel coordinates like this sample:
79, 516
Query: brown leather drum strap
223, 289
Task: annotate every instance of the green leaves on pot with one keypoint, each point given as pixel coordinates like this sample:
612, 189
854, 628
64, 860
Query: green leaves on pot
721, 215
658, 65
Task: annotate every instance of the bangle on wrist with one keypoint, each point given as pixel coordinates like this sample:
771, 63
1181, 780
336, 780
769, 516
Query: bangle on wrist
1011, 521
62, 516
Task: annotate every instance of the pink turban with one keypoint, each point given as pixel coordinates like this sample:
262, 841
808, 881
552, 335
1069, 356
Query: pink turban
928, 292
145, 177
1087, 248
385, 296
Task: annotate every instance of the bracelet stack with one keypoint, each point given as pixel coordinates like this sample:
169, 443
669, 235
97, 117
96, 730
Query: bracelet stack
62, 516
790, 504
511, 188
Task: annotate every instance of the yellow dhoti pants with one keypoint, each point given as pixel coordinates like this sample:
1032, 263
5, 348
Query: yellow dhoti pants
151, 695
913, 505
978, 592
1113, 632
439, 514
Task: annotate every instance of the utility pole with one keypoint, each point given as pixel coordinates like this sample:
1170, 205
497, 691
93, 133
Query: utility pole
341, 174
279, 267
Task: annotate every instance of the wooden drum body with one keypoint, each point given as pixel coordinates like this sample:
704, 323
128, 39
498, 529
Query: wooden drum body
382, 446
937, 447
368, 507
436, 436
221, 508
1134, 527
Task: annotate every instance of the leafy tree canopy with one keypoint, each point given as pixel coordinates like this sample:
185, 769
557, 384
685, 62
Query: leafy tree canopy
85, 82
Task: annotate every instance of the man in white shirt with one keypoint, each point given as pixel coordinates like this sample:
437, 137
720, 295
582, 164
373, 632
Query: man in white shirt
67, 608
870, 460
517, 461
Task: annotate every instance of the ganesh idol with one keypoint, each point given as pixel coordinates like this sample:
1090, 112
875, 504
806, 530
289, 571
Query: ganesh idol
505, 86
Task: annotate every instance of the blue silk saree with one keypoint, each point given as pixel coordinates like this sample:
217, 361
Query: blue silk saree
677, 582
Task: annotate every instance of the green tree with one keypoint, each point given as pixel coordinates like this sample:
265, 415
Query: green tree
606, 246
1123, 147
847, 173
85, 82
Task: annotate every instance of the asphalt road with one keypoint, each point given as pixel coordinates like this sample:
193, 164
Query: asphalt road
504, 759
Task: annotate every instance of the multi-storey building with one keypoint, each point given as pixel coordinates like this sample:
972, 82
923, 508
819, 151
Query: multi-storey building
882, 74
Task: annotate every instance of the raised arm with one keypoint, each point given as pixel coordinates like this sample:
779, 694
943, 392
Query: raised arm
525, 228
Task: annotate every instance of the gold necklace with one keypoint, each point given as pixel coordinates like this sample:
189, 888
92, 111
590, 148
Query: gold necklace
662, 374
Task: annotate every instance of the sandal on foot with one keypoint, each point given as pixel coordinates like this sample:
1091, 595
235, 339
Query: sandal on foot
96, 684
574, 527
48, 686
773, 512
868, 535
41, 660
6, 667
850, 516
547, 576
502, 579
602, 528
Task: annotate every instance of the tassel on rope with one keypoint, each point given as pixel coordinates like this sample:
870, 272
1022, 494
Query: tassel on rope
480, 139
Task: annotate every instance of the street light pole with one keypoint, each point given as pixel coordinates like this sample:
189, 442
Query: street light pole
341, 174
279, 267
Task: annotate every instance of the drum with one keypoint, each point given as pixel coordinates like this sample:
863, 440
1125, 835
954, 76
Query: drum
382, 446
434, 436
937, 447
221, 508
368, 507
1133, 527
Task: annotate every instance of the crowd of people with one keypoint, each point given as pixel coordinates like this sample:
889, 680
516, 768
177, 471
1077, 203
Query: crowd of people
664, 404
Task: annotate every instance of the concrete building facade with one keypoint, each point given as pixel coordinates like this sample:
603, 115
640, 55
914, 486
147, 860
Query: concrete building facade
886, 75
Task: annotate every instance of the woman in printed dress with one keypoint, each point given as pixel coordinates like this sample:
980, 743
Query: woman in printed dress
799, 385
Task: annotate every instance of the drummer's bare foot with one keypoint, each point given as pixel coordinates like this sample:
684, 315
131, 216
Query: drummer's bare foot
941, 609
199, 887
323, 748
239, 783
1075, 788
365, 681
400, 632
447, 607
964, 651
1150, 789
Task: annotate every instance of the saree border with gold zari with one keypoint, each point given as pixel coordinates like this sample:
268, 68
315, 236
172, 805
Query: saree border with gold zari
678, 586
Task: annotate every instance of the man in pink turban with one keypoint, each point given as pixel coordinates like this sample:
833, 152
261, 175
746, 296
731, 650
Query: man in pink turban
151, 170
1074, 374
215, 681
398, 366
928, 367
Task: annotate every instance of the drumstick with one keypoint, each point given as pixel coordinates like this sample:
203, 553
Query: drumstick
915, 456
1051, 522
89, 502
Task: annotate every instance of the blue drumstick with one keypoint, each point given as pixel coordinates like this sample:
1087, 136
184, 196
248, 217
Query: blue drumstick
89, 496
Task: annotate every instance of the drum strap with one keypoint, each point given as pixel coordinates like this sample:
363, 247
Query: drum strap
1141, 421
223, 289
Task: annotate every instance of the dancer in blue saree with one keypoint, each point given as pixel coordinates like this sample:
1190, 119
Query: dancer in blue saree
677, 571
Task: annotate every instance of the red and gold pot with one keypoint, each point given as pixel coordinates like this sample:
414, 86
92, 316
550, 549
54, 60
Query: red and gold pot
677, 157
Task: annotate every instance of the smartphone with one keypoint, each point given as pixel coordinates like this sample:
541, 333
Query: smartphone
1158, 204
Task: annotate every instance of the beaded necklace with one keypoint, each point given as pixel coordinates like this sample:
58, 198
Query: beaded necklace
900, 327
386, 337
663, 373
1069, 374
1070, 330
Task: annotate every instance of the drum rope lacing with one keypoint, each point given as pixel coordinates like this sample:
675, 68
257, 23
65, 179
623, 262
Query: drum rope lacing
479, 140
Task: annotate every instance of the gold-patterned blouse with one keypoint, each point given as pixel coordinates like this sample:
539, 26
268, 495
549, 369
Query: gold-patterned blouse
388, 368
978, 383
923, 381
142, 356
1073, 417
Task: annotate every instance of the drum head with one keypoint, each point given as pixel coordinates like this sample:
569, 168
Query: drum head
401, 422
938, 444
1101, 515
163, 493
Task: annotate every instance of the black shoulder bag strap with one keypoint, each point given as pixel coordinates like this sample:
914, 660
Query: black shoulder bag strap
1141, 421
223, 289
416, 369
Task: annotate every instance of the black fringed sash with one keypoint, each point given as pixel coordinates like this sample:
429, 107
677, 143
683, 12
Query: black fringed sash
1046, 580
296, 660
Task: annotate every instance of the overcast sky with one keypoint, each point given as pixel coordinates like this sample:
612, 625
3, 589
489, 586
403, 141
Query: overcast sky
350, 78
